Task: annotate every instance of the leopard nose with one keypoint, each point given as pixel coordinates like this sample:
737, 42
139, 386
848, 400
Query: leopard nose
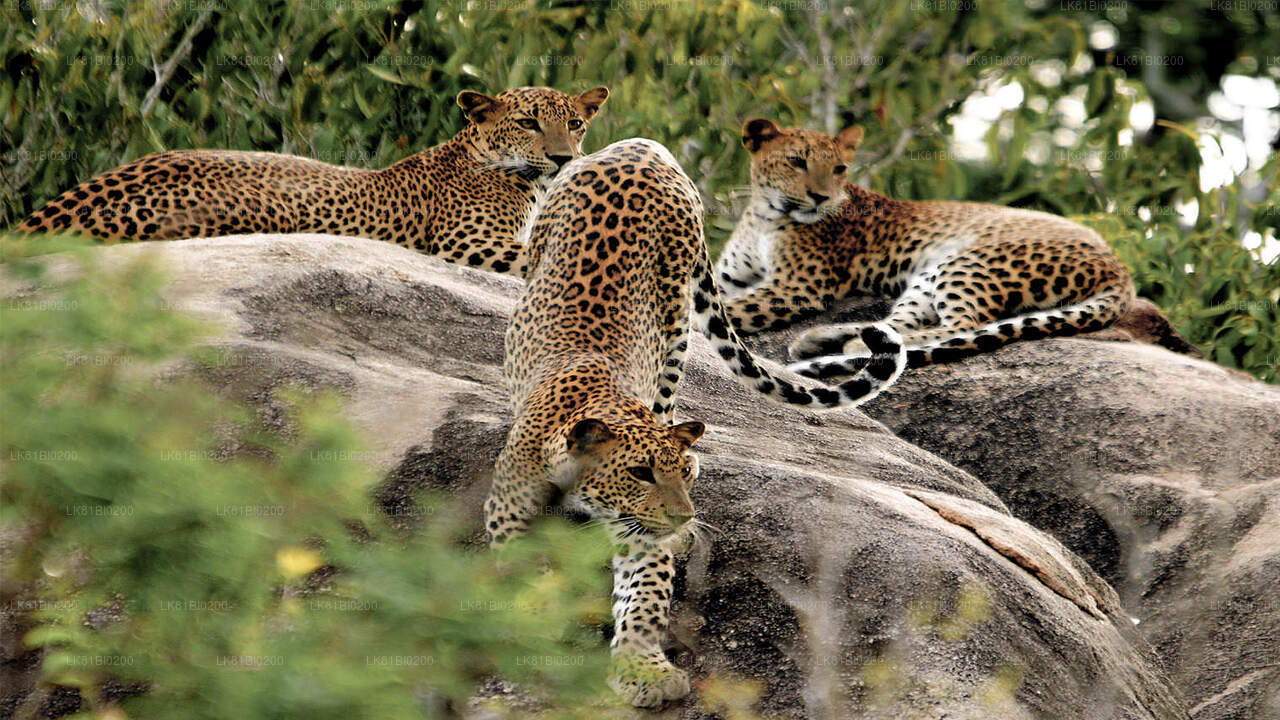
559, 160
817, 198
679, 517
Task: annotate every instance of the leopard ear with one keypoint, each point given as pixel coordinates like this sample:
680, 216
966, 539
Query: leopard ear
588, 435
478, 106
589, 102
848, 141
688, 433
758, 131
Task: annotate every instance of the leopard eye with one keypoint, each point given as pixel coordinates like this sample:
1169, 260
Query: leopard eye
798, 162
574, 124
528, 123
643, 474
839, 169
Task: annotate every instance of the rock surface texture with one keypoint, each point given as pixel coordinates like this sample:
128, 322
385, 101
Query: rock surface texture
1163, 472
855, 574
1159, 469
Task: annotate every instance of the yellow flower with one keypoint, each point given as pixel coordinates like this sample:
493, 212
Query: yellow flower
295, 561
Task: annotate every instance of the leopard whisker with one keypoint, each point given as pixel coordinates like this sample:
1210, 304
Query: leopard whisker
700, 524
598, 522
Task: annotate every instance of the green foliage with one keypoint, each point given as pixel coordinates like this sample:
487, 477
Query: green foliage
151, 554
368, 82
1209, 285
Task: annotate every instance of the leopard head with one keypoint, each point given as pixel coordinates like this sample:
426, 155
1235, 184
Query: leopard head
634, 475
531, 131
799, 173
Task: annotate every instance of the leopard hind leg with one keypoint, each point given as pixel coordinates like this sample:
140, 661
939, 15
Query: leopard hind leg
988, 297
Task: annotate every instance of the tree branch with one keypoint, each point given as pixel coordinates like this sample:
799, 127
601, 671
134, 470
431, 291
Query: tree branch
164, 72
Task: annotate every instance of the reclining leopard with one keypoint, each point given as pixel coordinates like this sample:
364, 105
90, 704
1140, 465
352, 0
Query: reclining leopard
594, 353
464, 200
968, 277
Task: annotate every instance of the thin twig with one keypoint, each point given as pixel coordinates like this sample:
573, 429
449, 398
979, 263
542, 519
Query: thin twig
164, 72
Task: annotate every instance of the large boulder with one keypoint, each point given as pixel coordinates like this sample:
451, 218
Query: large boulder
852, 572
1160, 469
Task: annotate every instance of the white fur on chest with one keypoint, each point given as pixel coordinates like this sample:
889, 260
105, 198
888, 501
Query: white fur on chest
755, 236
766, 238
541, 188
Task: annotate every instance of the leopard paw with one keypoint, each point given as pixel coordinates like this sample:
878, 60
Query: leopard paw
648, 681
819, 341
855, 348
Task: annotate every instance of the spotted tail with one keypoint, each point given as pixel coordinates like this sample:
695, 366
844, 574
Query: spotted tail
887, 362
1093, 313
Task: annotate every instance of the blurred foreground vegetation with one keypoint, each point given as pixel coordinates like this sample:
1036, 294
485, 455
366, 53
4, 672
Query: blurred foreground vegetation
368, 82
165, 553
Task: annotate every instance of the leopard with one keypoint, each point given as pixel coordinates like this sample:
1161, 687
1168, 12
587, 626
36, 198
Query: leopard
964, 277
464, 200
594, 353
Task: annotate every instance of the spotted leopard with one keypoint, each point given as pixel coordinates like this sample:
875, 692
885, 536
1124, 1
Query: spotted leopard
967, 277
464, 200
594, 353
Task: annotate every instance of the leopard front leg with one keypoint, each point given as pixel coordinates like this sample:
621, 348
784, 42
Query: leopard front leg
775, 305
642, 675
827, 340
480, 251
514, 498
496, 255
738, 270
913, 309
